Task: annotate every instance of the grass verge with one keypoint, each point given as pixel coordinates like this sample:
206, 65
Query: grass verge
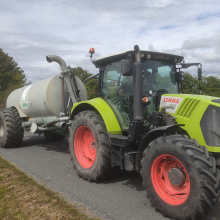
23, 198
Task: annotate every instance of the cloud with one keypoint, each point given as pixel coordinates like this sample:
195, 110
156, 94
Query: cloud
198, 43
207, 15
68, 28
168, 27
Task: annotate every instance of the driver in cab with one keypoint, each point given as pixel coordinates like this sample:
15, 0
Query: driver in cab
148, 83
127, 87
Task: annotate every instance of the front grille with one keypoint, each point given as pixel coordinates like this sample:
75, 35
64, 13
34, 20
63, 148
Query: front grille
210, 126
187, 108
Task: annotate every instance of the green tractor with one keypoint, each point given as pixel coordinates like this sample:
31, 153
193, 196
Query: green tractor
141, 122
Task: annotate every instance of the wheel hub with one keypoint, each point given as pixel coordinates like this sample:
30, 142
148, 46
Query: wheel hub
85, 147
1, 129
176, 176
170, 179
93, 145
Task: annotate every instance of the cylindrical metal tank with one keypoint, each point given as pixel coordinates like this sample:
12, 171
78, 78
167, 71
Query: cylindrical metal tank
43, 98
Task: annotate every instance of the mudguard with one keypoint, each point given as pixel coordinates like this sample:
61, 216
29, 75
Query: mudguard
101, 106
152, 135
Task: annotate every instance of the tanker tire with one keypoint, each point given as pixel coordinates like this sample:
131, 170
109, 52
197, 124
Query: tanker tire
12, 132
203, 176
50, 136
101, 168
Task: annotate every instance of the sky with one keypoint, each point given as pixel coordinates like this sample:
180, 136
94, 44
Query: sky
31, 30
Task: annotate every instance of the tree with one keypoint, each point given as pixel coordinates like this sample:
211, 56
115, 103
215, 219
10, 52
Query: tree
91, 86
162, 82
210, 85
190, 84
11, 77
81, 73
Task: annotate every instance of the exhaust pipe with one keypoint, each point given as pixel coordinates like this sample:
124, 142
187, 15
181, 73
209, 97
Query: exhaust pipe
138, 85
136, 125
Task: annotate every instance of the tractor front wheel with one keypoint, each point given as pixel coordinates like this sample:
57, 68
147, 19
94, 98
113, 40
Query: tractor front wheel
89, 146
180, 177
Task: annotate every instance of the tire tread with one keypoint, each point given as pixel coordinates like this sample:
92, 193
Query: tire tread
209, 175
103, 171
14, 131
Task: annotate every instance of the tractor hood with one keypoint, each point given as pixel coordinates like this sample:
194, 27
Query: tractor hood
172, 102
200, 115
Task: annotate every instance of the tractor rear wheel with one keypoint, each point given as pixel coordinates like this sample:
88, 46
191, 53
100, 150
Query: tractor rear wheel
11, 130
89, 146
50, 136
180, 177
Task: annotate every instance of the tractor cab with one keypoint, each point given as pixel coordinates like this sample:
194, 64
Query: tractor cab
116, 82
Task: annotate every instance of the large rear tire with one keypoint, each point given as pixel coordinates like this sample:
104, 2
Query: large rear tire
180, 177
11, 130
53, 136
89, 146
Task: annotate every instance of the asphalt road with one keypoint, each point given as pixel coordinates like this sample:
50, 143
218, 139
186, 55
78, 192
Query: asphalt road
122, 197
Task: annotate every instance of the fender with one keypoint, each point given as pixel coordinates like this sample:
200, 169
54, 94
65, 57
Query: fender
152, 135
100, 106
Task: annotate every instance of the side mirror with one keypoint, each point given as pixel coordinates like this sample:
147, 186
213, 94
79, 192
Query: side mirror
199, 73
179, 76
126, 67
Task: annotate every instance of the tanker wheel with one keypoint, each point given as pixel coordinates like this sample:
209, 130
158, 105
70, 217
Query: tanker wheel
50, 136
90, 146
11, 130
180, 177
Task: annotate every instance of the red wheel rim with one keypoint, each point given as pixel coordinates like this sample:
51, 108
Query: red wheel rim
171, 194
85, 147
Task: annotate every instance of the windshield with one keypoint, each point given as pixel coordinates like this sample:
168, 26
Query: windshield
118, 89
159, 75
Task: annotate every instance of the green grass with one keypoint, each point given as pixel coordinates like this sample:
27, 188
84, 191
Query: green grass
23, 198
